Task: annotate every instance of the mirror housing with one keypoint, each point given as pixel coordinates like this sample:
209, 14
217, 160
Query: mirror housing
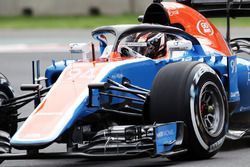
182, 45
83, 49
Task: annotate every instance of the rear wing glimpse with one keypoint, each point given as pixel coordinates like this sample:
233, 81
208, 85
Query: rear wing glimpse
220, 8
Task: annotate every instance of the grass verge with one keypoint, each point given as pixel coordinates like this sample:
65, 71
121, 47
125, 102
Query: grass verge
71, 22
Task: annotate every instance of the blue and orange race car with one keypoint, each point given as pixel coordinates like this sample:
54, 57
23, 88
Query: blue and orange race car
166, 87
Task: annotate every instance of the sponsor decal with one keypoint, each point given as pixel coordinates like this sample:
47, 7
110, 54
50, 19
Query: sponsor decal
233, 65
173, 10
165, 137
201, 71
248, 75
136, 44
242, 109
232, 75
76, 73
117, 76
165, 133
216, 145
235, 94
204, 28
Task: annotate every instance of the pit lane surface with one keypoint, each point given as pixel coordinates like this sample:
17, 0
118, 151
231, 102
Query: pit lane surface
17, 66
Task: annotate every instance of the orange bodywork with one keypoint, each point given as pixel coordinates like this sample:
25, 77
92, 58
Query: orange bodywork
197, 25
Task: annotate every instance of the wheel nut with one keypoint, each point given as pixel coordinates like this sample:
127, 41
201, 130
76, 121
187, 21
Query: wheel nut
210, 108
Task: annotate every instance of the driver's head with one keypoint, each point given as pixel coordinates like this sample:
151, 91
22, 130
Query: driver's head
156, 44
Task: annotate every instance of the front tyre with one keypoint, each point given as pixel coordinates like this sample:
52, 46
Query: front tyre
191, 92
8, 118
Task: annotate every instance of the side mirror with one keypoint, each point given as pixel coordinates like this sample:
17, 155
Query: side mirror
182, 45
82, 49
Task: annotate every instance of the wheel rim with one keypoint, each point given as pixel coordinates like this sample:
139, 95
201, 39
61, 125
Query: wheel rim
211, 109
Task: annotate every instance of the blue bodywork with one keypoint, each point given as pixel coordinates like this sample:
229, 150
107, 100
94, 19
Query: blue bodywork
236, 78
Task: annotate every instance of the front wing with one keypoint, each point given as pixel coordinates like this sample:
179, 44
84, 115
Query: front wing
121, 142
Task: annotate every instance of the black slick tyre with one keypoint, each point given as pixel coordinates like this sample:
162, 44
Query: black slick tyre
191, 92
8, 118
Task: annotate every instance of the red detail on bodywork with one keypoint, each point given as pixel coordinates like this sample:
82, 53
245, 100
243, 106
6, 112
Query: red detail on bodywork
196, 25
115, 56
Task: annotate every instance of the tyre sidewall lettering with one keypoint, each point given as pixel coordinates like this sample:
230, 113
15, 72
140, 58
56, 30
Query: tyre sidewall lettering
198, 80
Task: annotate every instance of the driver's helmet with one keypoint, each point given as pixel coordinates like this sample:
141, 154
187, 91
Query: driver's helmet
156, 44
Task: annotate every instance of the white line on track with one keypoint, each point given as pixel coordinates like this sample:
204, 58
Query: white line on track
33, 48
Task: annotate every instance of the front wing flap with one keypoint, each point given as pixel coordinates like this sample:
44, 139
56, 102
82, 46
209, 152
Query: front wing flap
166, 140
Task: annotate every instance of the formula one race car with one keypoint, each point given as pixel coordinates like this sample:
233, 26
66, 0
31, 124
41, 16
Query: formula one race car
166, 87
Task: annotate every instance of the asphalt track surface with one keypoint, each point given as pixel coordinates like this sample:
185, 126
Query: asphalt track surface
17, 66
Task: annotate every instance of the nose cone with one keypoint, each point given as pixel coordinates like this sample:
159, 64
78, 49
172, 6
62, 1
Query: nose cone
59, 109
